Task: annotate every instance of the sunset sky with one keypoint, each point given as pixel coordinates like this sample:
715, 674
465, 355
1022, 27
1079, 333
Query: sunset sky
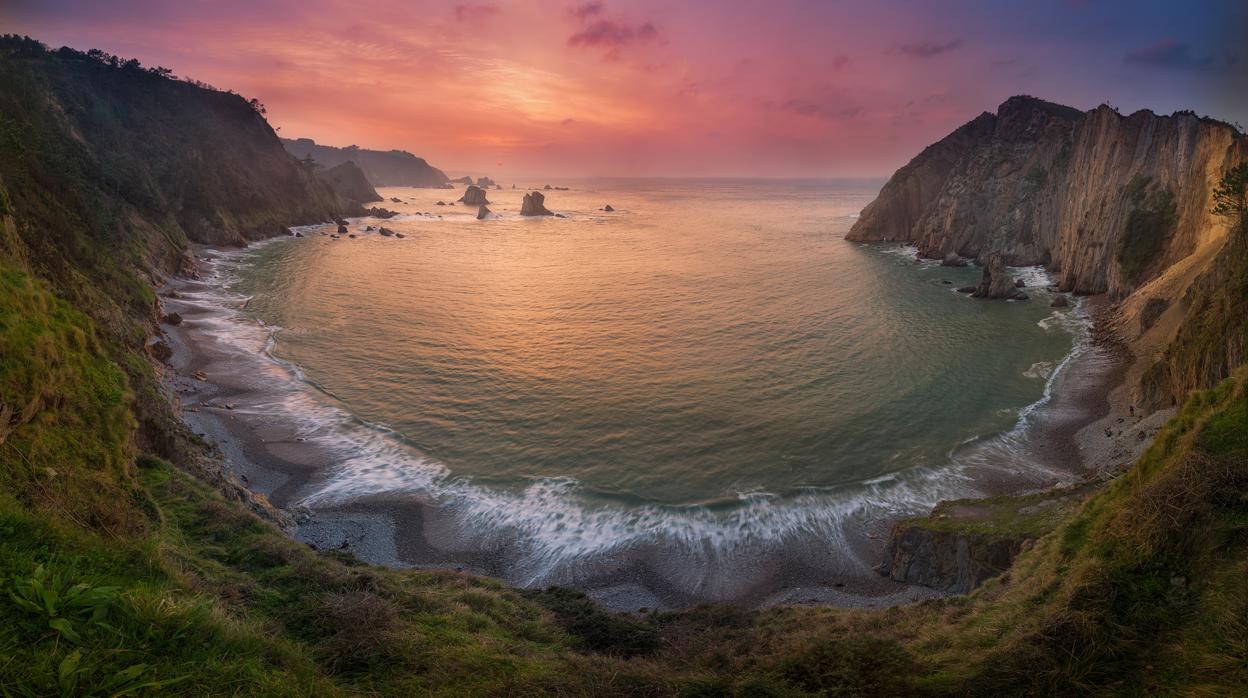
650, 87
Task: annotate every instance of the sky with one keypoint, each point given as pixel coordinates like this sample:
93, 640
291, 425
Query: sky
776, 88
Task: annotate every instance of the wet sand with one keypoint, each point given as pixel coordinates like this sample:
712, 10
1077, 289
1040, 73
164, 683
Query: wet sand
227, 396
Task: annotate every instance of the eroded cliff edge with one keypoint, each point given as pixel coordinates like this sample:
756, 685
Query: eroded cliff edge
1109, 203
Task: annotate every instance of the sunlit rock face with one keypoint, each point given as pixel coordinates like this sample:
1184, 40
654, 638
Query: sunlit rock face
1039, 183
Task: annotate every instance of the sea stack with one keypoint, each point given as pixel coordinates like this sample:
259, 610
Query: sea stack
482, 213
997, 282
534, 205
474, 196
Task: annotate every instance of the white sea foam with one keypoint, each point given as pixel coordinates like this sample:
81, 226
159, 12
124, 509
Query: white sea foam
553, 530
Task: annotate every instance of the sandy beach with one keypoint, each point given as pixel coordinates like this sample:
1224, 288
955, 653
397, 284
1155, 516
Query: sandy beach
226, 396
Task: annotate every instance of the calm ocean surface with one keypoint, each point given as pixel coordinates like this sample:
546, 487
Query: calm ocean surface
706, 357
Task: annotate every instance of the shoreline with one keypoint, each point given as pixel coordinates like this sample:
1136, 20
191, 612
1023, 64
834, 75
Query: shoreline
227, 396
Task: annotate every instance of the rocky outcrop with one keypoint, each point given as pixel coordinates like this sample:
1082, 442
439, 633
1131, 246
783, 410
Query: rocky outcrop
1104, 200
474, 196
486, 183
954, 562
952, 259
462, 180
349, 183
534, 204
966, 542
483, 213
382, 168
997, 282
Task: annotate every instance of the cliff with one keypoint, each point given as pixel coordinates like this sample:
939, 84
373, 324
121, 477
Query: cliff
1106, 201
349, 183
383, 168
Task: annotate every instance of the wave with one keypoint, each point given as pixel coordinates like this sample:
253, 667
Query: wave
553, 532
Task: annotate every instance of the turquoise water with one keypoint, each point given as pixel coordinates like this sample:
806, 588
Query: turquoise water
711, 352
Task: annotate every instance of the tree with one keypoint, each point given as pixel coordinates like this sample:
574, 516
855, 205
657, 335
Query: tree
1230, 197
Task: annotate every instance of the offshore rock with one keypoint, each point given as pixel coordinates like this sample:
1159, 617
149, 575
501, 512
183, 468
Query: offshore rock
534, 205
474, 196
482, 213
952, 259
997, 282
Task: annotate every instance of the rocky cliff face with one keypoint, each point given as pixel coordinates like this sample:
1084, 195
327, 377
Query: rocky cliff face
112, 149
349, 183
1106, 201
383, 168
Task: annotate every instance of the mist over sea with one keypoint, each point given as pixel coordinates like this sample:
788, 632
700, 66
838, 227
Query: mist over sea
709, 374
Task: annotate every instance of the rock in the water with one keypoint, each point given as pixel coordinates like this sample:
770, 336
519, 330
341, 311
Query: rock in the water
482, 213
399, 235
352, 236
1059, 301
966, 289
608, 208
441, 203
952, 260
474, 196
548, 187
173, 319
387, 232
340, 221
485, 182
396, 199
1019, 283
463, 180
342, 228
997, 282
534, 205
381, 213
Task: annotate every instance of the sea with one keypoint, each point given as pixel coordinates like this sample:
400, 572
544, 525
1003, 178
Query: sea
689, 392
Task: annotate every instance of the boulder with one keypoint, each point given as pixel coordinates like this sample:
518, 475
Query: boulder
396, 199
172, 319
160, 350
387, 232
482, 213
474, 196
441, 203
952, 260
382, 213
341, 228
1059, 301
1019, 283
534, 204
997, 282
608, 208
400, 235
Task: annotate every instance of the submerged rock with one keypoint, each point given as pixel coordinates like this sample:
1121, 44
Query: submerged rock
997, 282
474, 196
534, 205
